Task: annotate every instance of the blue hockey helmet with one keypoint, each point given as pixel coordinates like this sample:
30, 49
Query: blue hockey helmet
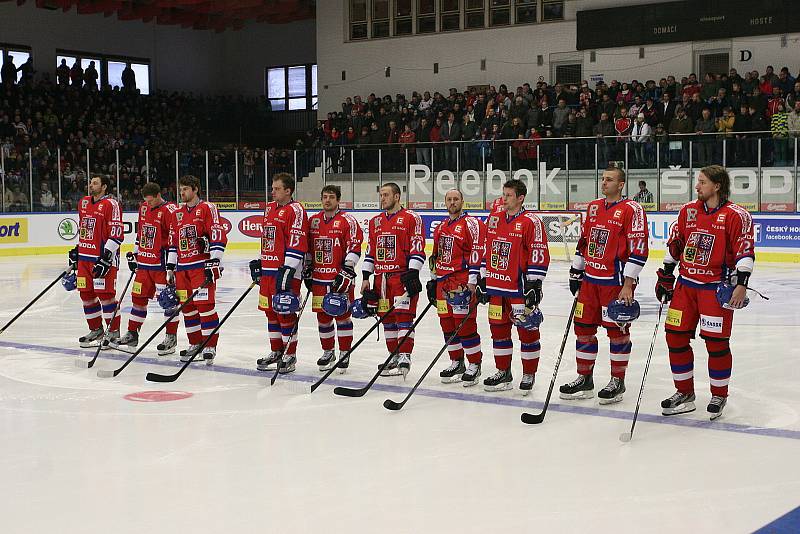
528, 318
359, 310
285, 302
168, 298
622, 313
70, 281
335, 304
724, 294
458, 297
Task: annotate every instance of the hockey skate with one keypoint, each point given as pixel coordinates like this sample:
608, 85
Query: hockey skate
500, 381
612, 393
716, 405
208, 355
108, 339
126, 343
404, 364
678, 403
391, 368
168, 345
470, 377
453, 373
580, 388
287, 364
526, 385
187, 354
91, 339
269, 362
327, 361
344, 361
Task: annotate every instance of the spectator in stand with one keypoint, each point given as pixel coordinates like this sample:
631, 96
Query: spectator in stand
26, 72
770, 76
785, 81
636, 107
423, 136
18, 200
665, 110
691, 87
706, 129
718, 102
90, 76
451, 131
469, 133
671, 87
758, 124
643, 196
607, 106
679, 127
779, 126
641, 139
128, 78
793, 96
694, 109
560, 116
47, 202
604, 131
725, 126
62, 73
709, 88
76, 74
793, 120
774, 101
622, 125
8, 74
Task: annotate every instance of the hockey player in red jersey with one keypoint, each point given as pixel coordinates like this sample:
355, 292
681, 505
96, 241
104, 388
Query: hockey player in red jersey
455, 265
497, 205
334, 246
611, 252
516, 259
197, 242
96, 259
149, 261
284, 243
395, 255
712, 242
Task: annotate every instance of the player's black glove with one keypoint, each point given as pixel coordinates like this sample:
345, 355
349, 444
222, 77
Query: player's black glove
284, 278
481, 294
103, 264
410, 281
73, 258
432, 264
132, 263
430, 287
308, 275
171, 274
255, 270
370, 302
533, 293
202, 244
575, 279
665, 285
344, 280
212, 270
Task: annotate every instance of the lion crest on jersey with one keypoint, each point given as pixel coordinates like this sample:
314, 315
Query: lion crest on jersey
323, 250
387, 248
698, 248
499, 257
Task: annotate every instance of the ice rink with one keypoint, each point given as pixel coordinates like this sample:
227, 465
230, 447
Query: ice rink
79, 454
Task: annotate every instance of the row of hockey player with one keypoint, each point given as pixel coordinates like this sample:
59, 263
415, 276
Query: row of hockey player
177, 247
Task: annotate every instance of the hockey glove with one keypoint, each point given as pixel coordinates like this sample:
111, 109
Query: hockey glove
103, 264
132, 263
73, 258
202, 244
171, 274
665, 285
675, 247
212, 270
370, 302
344, 280
575, 279
284, 278
430, 287
581, 247
410, 281
532, 292
432, 264
308, 275
480, 292
255, 270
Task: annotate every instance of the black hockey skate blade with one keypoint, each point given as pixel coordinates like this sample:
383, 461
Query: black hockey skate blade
105, 373
532, 418
389, 404
348, 392
625, 437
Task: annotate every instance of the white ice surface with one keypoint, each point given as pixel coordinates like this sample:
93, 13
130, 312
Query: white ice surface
239, 456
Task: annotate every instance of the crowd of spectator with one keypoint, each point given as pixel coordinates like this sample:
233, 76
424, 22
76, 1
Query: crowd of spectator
541, 121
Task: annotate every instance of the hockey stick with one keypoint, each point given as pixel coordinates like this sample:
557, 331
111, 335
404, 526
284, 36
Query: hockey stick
389, 404
536, 418
83, 363
625, 437
354, 347
294, 333
360, 392
106, 373
37, 297
156, 377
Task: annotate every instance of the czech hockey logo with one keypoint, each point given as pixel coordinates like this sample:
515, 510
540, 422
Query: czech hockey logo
499, 258
147, 240
387, 248
598, 239
323, 251
187, 238
445, 250
87, 228
699, 248
268, 239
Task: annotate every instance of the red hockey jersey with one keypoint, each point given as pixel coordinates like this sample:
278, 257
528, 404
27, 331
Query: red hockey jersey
152, 239
100, 227
333, 243
189, 224
284, 237
396, 243
458, 246
716, 242
516, 249
616, 242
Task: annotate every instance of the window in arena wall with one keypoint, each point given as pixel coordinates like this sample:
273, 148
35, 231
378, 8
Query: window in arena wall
292, 87
110, 68
552, 10
18, 54
525, 11
426, 16
380, 18
474, 14
402, 17
499, 13
450, 15
358, 19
